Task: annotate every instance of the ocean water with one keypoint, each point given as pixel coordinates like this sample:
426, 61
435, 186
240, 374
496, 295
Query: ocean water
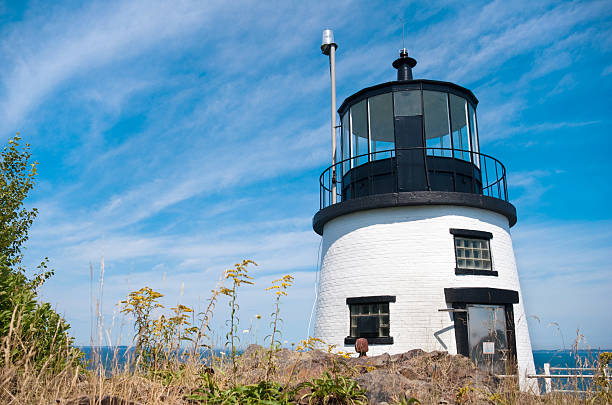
119, 355
565, 358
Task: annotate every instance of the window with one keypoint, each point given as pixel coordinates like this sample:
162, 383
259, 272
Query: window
346, 154
459, 122
359, 133
436, 123
473, 252
369, 318
473, 135
381, 126
407, 103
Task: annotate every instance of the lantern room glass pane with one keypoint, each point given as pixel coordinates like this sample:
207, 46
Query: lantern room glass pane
473, 135
345, 144
381, 126
459, 120
359, 133
436, 123
407, 103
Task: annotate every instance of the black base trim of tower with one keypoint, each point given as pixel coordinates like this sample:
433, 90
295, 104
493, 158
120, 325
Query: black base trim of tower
413, 198
371, 341
475, 272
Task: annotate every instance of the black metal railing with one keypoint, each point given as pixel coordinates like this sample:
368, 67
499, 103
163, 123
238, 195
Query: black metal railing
413, 169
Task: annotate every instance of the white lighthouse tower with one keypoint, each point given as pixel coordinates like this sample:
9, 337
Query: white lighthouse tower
415, 221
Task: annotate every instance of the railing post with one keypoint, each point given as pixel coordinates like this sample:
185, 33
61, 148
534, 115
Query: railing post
426, 169
497, 180
396, 169
486, 176
505, 187
547, 381
330, 195
322, 190
370, 174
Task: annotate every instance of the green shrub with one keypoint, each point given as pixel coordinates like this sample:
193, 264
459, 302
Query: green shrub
269, 393
336, 389
29, 330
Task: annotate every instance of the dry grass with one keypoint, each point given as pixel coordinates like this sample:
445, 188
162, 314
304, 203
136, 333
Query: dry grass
24, 382
63, 377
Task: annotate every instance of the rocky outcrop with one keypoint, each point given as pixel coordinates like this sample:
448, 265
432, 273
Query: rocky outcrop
436, 377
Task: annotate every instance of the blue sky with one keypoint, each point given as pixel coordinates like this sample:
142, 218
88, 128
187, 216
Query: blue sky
176, 138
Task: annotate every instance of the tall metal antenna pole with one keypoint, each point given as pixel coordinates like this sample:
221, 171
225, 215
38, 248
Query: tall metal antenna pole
328, 47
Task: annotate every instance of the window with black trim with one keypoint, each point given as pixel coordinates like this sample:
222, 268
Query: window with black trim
473, 252
369, 318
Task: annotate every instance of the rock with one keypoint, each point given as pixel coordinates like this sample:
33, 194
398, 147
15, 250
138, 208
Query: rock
407, 355
426, 376
382, 386
291, 367
382, 360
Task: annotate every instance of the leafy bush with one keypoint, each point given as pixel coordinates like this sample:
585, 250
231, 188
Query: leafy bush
30, 330
334, 390
269, 393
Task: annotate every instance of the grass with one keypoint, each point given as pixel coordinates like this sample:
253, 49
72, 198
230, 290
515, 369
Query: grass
166, 366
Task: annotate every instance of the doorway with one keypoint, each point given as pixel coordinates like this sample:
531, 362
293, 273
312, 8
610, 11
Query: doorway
484, 326
487, 340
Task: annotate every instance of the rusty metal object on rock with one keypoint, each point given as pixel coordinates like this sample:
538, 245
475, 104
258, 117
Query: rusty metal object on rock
361, 347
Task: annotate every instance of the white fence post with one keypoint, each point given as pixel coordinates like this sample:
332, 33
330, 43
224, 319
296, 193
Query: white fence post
547, 381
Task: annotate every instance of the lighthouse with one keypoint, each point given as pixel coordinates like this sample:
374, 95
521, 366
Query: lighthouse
415, 223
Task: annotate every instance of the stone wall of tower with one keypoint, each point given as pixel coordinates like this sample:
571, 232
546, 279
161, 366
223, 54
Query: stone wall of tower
409, 252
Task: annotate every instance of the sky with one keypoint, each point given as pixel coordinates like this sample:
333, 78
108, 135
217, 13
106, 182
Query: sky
176, 138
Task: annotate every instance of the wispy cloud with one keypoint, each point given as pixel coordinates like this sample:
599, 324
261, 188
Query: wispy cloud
542, 127
95, 35
531, 186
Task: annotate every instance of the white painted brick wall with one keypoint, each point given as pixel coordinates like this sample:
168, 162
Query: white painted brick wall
409, 252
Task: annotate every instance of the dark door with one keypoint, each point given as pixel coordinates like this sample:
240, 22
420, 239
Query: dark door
412, 174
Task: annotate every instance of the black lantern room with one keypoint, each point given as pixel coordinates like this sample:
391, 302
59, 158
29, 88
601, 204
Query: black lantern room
414, 141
